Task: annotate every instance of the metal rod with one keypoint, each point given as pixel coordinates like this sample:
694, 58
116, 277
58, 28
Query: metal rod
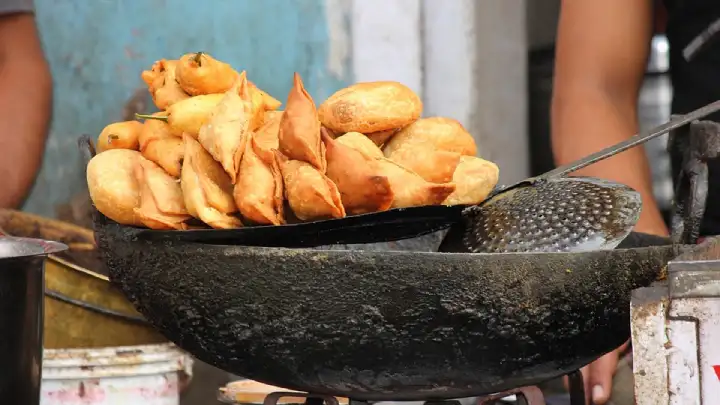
636, 140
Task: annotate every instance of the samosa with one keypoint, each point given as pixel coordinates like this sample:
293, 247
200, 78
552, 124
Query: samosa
361, 143
310, 194
300, 128
410, 189
226, 132
475, 178
161, 199
207, 190
361, 184
258, 191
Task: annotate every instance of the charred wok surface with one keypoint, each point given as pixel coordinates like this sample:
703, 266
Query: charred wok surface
383, 325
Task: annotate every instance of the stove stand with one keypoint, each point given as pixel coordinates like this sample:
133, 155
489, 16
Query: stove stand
675, 333
524, 396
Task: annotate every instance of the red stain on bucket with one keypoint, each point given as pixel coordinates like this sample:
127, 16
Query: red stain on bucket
717, 371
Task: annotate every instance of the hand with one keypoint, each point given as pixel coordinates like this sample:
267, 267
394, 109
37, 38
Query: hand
598, 377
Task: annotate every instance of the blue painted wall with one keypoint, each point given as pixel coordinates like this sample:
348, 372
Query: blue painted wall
97, 50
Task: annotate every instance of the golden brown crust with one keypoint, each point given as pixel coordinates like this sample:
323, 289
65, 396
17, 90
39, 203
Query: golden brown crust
113, 187
362, 186
162, 84
299, 137
310, 193
225, 133
206, 188
410, 189
120, 135
161, 199
199, 73
435, 166
159, 145
188, 116
361, 143
370, 107
259, 189
441, 133
475, 178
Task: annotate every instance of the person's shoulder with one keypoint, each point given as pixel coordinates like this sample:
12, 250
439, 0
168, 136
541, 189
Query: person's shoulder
16, 6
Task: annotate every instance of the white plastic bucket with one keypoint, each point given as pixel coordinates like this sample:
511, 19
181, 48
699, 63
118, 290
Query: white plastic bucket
147, 375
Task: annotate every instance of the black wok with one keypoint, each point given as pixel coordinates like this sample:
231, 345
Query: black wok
383, 325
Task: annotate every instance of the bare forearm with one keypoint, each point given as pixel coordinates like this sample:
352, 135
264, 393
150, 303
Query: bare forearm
25, 108
585, 122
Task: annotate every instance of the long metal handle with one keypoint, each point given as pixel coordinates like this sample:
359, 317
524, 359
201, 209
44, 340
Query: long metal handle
636, 140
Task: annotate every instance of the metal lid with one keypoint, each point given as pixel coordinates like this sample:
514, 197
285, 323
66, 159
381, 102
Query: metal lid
11, 247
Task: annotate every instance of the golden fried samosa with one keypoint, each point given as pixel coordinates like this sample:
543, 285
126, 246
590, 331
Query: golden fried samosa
206, 188
159, 145
436, 166
310, 194
267, 136
259, 188
199, 73
161, 200
475, 178
163, 85
225, 133
361, 143
189, 115
113, 187
410, 189
444, 134
300, 128
370, 107
119, 135
362, 186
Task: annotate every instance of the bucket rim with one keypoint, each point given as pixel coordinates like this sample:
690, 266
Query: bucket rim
109, 356
40, 247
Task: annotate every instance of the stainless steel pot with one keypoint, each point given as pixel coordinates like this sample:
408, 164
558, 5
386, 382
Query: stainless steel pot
22, 283
654, 104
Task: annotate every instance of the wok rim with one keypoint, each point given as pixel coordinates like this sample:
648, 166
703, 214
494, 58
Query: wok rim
131, 234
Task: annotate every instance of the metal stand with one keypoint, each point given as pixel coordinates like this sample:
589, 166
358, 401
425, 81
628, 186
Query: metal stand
676, 330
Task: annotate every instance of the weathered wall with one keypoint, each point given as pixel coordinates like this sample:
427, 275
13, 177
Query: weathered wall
98, 48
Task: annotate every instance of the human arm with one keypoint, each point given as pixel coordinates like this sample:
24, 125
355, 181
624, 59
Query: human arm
602, 50
601, 55
25, 106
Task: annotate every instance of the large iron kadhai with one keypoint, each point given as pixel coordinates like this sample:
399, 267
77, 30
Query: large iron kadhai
383, 325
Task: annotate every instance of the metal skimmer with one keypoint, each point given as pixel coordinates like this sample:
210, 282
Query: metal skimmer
552, 212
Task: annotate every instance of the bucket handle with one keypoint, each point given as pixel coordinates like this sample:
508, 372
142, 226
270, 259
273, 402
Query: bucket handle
92, 307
